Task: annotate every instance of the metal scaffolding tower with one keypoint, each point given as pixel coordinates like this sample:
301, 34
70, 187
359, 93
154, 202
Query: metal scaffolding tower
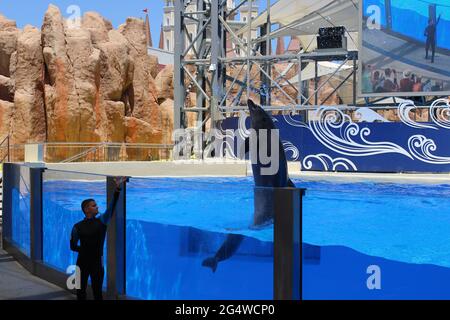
201, 61
220, 57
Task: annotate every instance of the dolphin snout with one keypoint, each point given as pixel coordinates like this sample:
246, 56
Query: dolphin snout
251, 105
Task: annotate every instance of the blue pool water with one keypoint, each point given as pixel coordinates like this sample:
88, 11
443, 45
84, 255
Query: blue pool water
175, 223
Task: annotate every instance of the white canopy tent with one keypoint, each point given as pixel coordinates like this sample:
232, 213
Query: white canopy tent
305, 17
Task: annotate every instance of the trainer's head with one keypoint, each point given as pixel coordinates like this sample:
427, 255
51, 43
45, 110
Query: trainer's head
90, 208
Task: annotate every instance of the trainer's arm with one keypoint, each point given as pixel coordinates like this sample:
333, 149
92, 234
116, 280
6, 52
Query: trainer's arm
74, 240
106, 217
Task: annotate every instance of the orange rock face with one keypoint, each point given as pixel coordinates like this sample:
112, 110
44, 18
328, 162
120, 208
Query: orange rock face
78, 83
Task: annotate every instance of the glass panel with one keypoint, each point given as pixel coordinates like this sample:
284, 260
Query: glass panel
21, 211
410, 18
63, 193
443, 27
361, 235
175, 224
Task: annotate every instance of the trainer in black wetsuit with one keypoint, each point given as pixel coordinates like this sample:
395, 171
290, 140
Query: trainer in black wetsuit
430, 33
91, 232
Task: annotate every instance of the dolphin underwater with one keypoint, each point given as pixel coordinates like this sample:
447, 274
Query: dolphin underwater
263, 213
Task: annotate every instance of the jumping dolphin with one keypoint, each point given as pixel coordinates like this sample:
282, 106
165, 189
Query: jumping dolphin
263, 213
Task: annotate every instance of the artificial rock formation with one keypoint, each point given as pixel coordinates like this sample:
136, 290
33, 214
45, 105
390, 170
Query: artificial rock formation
84, 82
28, 119
8, 42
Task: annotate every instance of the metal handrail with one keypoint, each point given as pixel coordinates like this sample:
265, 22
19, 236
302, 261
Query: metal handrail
7, 149
78, 156
50, 147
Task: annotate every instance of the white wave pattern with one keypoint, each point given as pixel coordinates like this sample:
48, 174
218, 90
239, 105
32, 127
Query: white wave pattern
352, 140
328, 163
404, 109
289, 146
440, 113
242, 129
421, 148
226, 143
295, 123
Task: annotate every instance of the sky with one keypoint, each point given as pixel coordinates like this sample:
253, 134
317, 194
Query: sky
32, 11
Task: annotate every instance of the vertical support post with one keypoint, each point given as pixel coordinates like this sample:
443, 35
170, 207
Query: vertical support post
36, 228
355, 69
316, 83
8, 149
287, 267
269, 50
249, 46
388, 10
299, 79
178, 73
303, 113
216, 66
8, 183
116, 249
200, 47
264, 51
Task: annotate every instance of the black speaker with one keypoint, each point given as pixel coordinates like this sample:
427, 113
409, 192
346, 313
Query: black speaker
331, 31
329, 42
331, 38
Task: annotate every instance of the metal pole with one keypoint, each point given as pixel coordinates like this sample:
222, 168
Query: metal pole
316, 83
355, 69
388, 14
263, 51
179, 90
269, 51
216, 65
249, 39
201, 74
300, 87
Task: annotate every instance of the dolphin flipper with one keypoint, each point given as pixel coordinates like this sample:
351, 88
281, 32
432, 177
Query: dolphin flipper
210, 262
227, 249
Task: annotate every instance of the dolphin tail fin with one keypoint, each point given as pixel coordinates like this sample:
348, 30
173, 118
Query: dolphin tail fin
210, 262
291, 184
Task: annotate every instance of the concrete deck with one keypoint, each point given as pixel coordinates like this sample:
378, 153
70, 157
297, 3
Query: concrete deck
16, 283
238, 169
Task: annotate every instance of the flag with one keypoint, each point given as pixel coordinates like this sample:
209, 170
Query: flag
145, 10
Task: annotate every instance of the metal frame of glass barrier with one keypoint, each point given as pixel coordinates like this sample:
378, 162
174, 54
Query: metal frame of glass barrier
116, 254
34, 263
287, 237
